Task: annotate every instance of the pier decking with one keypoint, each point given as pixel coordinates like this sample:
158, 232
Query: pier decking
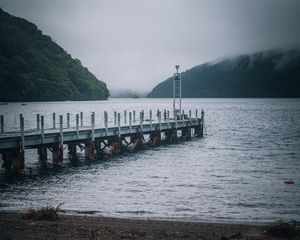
94, 139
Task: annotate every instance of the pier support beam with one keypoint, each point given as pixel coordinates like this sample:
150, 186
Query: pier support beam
155, 139
186, 133
18, 159
1, 124
7, 160
202, 123
137, 141
199, 130
58, 154
115, 146
90, 150
171, 136
72, 150
99, 151
14, 159
42, 152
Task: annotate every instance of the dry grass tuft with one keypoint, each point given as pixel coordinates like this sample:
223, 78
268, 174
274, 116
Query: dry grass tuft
45, 213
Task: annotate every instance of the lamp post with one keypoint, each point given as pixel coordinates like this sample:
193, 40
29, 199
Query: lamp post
176, 92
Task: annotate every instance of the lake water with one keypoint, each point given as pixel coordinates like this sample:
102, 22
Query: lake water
236, 173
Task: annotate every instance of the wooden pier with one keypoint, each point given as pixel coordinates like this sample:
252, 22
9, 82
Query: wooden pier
95, 140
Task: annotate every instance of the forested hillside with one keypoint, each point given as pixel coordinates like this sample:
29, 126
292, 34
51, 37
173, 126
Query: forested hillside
34, 68
273, 73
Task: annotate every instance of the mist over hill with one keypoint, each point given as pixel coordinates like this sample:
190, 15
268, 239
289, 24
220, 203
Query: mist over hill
273, 73
34, 68
125, 93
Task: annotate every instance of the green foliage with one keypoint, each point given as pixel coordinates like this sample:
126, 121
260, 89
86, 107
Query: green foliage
267, 74
34, 68
46, 213
282, 229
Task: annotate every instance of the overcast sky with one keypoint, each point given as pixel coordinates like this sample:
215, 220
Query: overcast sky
134, 44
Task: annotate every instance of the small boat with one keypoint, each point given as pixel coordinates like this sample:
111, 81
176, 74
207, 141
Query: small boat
23, 104
290, 181
3, 103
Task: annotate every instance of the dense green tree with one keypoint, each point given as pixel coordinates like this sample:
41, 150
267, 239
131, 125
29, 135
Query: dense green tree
34, 68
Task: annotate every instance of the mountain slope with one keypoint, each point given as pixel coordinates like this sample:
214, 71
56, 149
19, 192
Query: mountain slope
272, 73
34, 68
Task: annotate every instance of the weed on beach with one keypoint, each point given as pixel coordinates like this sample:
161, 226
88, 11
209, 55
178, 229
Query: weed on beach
45, 213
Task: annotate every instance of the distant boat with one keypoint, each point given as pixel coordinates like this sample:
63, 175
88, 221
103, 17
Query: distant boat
23, 104
135, 96
3, 103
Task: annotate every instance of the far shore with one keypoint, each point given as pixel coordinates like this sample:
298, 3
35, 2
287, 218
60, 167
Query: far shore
13, 226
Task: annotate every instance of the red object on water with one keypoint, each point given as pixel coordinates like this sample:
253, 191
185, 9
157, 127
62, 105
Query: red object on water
289, 182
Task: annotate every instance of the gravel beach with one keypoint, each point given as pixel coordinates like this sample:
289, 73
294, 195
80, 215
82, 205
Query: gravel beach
13, 226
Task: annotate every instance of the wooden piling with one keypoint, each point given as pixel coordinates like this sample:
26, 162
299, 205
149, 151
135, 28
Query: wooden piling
202, 123
133, 116
125, 117
1, 124
150, 113
90, 150
42, 129
81, 119
77, 126
168, 119
137, 141
17, 155
22, 133
176, 122
7, 160
38, 122
141, 122
53, 120
58, 149
130, 122
115, 146
186, 133
42, 152
72, 150
171, 136
106, 122
93, 126
61, 134
159, 120
200, 126
119, 124
18, 162
155, 139
115, 118
57, 154
68, 120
